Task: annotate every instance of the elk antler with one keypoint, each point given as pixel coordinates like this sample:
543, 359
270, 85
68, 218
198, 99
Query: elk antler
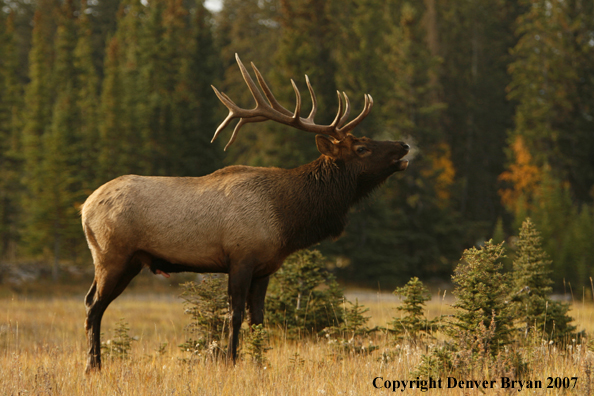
276, 112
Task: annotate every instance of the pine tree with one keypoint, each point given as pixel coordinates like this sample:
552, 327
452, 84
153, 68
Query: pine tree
196, 116
480, 331
359, 30
102, 21
152, 101
87, 102
122, 100
498, 231
179, 73
257, 344
295, 300
207, 304
305, 47
578, 249
38, 107
413, 324
11, 101
481, 298
61, 192
552, 210
120, 345
113, 146
532, 288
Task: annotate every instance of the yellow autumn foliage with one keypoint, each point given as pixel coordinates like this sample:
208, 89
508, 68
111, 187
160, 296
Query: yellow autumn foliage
442, 170
523, 176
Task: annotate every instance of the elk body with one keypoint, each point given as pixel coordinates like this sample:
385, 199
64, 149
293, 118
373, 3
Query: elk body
239, 220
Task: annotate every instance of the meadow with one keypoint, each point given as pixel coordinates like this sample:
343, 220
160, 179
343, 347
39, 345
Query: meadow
43, 352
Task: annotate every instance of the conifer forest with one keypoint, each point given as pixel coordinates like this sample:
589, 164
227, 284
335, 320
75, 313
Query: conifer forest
496, 97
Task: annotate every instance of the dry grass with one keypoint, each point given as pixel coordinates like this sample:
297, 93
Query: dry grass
42, 352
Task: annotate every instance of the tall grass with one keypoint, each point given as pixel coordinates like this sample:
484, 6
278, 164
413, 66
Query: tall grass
43, 352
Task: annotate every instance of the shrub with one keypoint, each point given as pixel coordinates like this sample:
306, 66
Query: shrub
257, 344
120, 345
208, 306
351, 336
533, 307
482, 291
480, 329
413, 324
303, 296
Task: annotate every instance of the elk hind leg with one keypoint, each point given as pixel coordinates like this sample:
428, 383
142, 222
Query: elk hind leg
239, 282
111, 278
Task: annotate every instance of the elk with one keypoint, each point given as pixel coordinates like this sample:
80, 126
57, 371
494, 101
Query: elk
239, 220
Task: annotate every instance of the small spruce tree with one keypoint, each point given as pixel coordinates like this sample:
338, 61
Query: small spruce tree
532, 287
120, 345
207, 304
303, 296
257, 345
354, 322
482, 290
413, 324
481, 326
353, 331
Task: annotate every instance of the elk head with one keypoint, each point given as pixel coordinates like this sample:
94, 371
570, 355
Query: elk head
372, 160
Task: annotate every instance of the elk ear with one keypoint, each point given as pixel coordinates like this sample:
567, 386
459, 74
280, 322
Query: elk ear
326, 146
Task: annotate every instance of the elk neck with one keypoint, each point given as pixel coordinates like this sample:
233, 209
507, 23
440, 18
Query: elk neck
313, 201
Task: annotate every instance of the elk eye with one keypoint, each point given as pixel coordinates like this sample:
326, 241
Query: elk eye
361, 150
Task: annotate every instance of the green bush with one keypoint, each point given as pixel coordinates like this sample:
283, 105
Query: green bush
207, 304
413, 324
303, 296
120, 345
481, 327
257, 344
352, 335
533, 307
482, 291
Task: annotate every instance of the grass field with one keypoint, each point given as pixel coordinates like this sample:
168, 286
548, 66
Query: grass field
42, 352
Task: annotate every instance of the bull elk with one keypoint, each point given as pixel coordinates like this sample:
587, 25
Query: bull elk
239, 220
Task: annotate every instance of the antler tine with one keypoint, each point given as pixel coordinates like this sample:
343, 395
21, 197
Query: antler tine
347, 111
251, 84
366, 109
234, 112
221, 127
269, 95
242, 122
298, 101
229, 104
338, 113
314, 101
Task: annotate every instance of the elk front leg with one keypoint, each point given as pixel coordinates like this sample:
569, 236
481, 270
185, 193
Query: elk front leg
240, 279
255, 300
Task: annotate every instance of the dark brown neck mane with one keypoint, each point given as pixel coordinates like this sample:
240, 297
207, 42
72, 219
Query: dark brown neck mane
314, 201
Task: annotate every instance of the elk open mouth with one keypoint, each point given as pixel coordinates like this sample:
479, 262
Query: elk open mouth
400, 165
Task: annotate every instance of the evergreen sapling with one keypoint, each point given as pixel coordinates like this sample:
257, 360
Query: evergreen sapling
413, 324
533, 307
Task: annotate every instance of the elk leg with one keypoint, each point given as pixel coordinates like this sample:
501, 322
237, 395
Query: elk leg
105, 288
239, 282
255, 300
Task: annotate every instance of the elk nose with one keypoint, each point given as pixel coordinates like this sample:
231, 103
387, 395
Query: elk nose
405, 146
